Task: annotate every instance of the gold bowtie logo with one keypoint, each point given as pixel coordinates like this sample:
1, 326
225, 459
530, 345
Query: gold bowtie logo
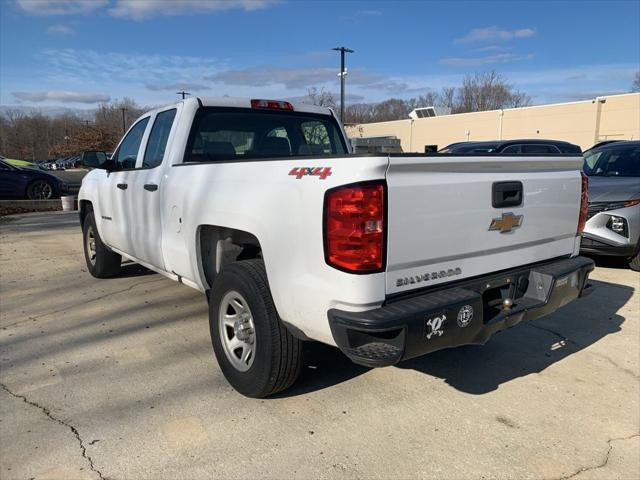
507, 223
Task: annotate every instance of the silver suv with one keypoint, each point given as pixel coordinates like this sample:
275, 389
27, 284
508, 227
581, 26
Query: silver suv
613, 221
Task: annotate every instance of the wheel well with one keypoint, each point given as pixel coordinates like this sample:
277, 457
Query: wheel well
85, 206
220, 246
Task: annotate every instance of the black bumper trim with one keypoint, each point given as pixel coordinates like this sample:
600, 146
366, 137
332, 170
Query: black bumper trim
595, 247
469, 312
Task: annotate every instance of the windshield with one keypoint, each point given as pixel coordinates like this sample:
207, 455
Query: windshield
613, 162
236, 134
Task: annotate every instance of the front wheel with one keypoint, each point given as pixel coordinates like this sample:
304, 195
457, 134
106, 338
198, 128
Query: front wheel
634, 262
256, 353
40, 190
101, 262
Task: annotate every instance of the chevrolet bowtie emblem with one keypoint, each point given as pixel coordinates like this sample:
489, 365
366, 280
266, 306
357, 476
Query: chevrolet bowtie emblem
507, 223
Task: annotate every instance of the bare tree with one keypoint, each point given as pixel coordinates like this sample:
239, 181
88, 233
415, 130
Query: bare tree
358, 113
487, 91
34, 136
321, 97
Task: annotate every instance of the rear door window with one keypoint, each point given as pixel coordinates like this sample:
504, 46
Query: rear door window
512, 149
157, 143
539, 148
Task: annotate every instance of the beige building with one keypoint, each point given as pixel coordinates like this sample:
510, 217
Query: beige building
614, 117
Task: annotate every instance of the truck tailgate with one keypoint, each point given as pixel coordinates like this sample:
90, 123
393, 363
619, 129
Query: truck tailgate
440, 215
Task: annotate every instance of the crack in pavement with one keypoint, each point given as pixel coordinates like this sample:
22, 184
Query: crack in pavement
68, 307
73, 429
582, 347
604, 463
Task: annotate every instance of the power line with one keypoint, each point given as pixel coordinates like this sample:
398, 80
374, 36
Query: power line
342, 74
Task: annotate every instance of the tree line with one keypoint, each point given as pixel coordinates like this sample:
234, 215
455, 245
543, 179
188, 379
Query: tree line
36, 136
478, 92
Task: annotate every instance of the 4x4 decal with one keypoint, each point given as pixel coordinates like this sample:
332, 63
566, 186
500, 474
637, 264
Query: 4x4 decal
322, 172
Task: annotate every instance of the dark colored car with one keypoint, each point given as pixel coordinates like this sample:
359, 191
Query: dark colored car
601, 144
92, 159
514, 147
29, 183
613, 220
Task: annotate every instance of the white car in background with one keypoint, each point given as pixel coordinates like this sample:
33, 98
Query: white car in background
613, 221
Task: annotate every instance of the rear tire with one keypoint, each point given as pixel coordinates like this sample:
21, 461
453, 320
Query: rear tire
243, 318
101, 262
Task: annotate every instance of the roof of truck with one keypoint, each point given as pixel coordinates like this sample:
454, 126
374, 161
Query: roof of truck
238, 102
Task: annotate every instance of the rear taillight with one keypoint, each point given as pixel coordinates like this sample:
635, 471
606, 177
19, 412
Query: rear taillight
584, 203
272, 104
354, 228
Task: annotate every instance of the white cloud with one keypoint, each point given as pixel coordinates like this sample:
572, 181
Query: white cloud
59, 29
60, 7
298, 78
492, 34
100, 68
359, 16
62, 96
193, 87
484, 60
490, 48
141, 9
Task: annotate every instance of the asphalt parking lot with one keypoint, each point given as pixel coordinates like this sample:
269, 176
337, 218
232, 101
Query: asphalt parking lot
116, 379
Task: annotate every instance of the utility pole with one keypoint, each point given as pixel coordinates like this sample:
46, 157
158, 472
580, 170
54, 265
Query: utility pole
183, 93
342, 74
124, 120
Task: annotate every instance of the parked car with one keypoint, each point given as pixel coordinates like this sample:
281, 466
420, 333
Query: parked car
29, 183
91, 159
600, 144
261, 205
613, 221
514, 147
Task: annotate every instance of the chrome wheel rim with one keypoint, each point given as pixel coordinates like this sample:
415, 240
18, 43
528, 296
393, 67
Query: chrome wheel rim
41, 191
237, 331
91, 245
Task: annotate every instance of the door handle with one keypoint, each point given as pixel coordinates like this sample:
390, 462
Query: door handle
122, 186
151, 187
506, 194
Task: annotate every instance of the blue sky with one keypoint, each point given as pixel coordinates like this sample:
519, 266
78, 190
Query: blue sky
77, 53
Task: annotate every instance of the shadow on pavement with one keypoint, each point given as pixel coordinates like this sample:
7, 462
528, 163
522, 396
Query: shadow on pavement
130, 270
607, 261
527, 348
324, 366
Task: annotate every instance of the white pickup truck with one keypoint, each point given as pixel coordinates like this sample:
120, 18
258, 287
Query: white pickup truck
260, 205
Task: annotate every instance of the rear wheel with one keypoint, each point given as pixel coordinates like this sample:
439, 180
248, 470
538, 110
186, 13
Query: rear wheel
256, 353
40, 190
101, 262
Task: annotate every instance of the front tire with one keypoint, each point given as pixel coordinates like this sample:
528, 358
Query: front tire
256, 353
40, 190
634, 262
101, 262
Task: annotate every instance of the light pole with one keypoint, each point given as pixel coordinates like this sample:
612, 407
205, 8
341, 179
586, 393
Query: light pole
342, 74
124, 122
183, 93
